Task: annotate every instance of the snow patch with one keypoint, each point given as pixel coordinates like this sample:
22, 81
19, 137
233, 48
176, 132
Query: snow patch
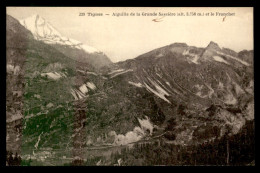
160, 89
83, 89
232, 57
195, 59
77, 94
159, 55
89, 49
136, 84
91, 85
146, 124
220, 59
186, 52
80, 95
115, 71
230, 99
75, 42
54, 75
81, 71
73, 94
93, 73
194, 56
159, 75
121, 73
160, 95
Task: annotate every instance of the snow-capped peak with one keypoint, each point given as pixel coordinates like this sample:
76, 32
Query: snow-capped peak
44, 31
40, 28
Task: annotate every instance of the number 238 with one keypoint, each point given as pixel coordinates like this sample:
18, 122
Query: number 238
81, 14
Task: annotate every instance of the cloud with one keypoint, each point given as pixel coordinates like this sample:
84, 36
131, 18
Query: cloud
133, 136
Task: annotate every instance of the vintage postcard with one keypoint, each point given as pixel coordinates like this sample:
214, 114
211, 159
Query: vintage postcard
129, 86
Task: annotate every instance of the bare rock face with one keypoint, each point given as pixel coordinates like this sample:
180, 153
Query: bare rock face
213, 46
247, 56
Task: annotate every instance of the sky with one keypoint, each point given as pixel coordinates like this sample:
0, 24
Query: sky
126, 37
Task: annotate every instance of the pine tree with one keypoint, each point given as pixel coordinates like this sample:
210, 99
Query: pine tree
19, 160
16, 159
10, 158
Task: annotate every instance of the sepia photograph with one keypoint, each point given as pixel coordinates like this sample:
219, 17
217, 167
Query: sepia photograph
130, 86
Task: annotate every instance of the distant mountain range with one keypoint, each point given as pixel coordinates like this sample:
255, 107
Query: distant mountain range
61, 93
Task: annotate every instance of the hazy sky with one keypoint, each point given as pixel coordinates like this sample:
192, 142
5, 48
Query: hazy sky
126, 37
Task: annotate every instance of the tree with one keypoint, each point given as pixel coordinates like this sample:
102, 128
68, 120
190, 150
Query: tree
16, 161
181, 109
10, 158
19, 160
227, 135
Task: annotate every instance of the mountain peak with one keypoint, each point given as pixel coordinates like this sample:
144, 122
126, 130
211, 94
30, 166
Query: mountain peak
44, 31
213, 46
39, 27
178, 45
34, 18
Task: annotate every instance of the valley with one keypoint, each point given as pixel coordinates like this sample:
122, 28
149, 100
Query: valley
68, 104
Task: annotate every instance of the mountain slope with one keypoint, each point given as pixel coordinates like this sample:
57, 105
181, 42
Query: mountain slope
185, 81
43, 87
60, 109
